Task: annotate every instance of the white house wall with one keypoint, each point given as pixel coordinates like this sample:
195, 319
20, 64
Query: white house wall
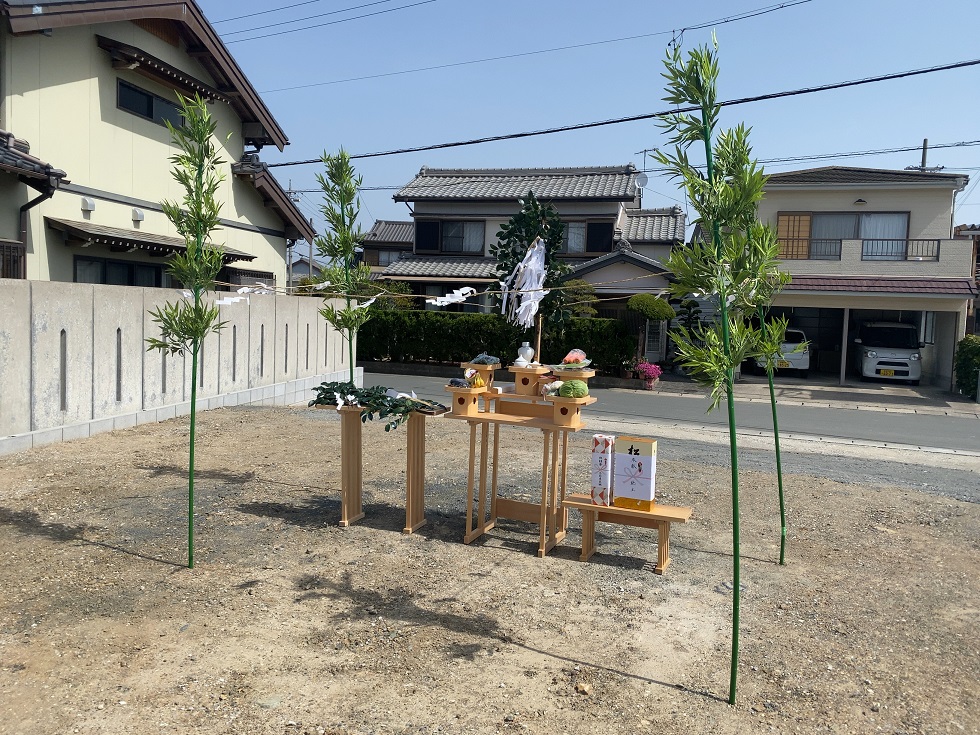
73, 359
14, 194
929, 208
955, 261
59, 93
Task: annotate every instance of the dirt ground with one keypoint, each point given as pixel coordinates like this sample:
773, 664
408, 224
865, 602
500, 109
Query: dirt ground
290, 624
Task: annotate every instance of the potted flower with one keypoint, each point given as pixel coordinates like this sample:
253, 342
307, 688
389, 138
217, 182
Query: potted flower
627, 368
650, 373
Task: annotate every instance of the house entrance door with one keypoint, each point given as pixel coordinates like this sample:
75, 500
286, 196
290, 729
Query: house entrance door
656, 341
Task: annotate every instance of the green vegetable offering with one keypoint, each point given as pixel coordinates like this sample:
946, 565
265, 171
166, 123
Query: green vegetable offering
574, 389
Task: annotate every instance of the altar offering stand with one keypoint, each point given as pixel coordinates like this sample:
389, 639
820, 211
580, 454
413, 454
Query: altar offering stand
554, 416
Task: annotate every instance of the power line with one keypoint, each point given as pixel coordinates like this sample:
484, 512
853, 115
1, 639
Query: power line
651, 115
330, 23
787, 159
308, 17
284, 7
721, 21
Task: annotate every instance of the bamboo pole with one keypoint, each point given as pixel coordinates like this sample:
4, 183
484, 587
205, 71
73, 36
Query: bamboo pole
733, 441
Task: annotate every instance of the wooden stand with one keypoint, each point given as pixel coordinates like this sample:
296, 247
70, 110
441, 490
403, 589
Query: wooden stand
351, 508
415, 474
530, 411
659, 517
568, 411
466, 401
526, 378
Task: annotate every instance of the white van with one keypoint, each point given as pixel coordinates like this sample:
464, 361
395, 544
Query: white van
888, 350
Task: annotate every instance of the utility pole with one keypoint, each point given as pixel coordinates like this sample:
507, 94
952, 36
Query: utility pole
922, 166
294, 197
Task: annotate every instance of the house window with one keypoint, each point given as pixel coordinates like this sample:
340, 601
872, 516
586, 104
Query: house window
573, 242
449, 237
387, 257
599, 237
584, 238
818, 235
118, 272
462, 237
927, 328
147, 105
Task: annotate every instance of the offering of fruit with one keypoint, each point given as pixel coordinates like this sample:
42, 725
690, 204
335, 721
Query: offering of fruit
474, 378
574, 357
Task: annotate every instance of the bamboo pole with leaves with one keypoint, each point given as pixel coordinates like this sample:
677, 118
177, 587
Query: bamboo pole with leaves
339, 246
733, 261
769, 348
185, 324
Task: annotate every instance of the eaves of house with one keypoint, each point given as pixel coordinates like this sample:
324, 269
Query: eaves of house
181, 19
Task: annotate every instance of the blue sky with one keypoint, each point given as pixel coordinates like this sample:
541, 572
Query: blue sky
812, 43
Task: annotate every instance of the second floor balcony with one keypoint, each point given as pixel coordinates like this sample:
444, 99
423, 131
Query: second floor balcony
919, 256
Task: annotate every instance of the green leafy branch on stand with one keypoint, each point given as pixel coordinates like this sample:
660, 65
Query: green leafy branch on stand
393, 410
339, 246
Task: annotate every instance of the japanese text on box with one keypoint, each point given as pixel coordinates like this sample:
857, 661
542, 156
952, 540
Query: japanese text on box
635, 472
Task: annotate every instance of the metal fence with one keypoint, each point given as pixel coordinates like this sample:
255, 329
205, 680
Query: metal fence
805, 248
886, 249
13, 260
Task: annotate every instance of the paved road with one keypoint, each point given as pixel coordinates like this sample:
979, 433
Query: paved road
864, 423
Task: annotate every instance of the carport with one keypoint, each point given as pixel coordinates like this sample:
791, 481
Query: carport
828, 307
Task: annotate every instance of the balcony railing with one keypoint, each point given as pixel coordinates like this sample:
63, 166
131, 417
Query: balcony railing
13, 260
871, 249
900, 250
805, 248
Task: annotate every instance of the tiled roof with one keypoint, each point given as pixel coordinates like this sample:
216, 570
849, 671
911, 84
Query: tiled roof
118, 237
611, 183
392, 231
654, 225
849, 175
965, 287
445, 266
15, 157
621, 255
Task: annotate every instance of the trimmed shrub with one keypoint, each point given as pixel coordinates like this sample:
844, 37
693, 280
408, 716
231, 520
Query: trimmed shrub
432, 336
650, 306
966, 364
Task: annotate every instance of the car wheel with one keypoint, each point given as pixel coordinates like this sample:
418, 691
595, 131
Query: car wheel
913, 382
804, 374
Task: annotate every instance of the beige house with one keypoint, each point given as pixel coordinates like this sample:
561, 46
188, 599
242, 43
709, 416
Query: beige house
85, 90
872, 245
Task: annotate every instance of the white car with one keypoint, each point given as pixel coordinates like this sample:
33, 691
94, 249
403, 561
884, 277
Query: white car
794, 354
888, 350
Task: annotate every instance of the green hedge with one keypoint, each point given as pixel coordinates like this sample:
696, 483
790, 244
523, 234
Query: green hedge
967, 364
433, 336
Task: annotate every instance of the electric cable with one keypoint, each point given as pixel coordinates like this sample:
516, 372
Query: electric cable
330, 23
651, 115
721, 21
308, 17
293, 5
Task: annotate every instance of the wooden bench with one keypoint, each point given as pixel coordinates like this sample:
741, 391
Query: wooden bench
659, 517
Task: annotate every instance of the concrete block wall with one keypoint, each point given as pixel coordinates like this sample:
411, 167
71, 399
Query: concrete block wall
73, 359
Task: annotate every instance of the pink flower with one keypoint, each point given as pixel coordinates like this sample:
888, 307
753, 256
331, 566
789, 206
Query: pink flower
648, 370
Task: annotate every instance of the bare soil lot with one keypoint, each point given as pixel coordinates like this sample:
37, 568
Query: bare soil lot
290, 624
